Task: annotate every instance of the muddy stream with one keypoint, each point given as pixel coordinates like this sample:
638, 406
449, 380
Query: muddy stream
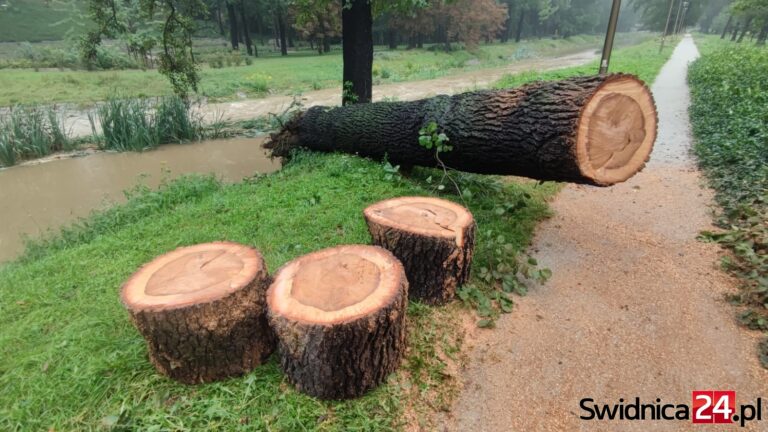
37, 197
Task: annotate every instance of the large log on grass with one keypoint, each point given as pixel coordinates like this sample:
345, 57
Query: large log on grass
339, 315
432, 237
202, 310
596, 130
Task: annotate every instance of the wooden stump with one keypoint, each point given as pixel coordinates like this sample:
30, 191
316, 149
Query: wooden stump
202, 311
433, 238
339, 316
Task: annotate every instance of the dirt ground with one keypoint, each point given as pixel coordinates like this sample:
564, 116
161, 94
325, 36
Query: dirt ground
254, 108
634, 308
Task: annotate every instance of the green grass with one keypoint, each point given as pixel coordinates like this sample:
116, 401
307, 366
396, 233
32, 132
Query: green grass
643, 60
299, 72
39, 20
70, 359
729, 113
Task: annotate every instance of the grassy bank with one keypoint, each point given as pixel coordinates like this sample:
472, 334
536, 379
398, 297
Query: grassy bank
298, 72
70, 358
729, 114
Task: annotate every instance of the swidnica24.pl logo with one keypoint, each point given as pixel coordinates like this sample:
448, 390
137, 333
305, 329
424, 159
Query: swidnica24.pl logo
706, 407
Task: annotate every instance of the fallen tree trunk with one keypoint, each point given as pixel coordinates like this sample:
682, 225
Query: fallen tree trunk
596, 130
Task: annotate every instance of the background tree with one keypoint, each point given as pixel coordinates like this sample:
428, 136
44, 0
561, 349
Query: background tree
318, 22
754, 17
177, 59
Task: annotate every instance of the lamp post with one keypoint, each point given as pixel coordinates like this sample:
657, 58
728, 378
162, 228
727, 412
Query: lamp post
609, 35
666, 26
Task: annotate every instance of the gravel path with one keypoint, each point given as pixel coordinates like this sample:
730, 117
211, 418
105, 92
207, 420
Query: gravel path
635, 306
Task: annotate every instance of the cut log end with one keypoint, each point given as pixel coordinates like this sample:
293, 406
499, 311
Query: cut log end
335, 285
617, 130
432, 237
192, 275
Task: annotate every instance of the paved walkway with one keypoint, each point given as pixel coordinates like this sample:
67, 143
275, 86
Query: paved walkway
635, 306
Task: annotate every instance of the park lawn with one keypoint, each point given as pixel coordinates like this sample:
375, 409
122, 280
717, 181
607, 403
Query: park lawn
70, 359
299, 72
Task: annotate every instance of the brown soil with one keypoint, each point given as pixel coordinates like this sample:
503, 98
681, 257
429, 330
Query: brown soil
635, 306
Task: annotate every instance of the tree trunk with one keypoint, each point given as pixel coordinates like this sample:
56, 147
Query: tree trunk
357, 40
745, 29
326, 44
596, 130
392, 38
735, 32
433, 238
202, 310
218, 18
763, 35
507, 23
519, 30
233, 30
727, 26
281, 30
339, 316
246, 32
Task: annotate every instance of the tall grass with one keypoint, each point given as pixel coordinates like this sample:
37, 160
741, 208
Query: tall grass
139, 124
29, 132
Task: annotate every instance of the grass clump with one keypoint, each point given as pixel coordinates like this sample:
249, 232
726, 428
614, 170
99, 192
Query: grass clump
729, 113
71, 360
139, 124
30, 132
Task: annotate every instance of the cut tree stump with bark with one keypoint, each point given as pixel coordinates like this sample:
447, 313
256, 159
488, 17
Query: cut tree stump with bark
202, 310
339, 316
433, 238
597, 130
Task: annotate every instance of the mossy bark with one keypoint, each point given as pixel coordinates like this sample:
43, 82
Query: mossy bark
344, 360
211, 341
529, 131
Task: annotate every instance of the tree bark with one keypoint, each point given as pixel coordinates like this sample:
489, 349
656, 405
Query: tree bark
218, 17
340, 318
727, 27
433, 238
735, 32
281, 30
357, 40
246, 32
392, 38
202, 311
233, 30
519, 30
596, 130
763, 35
745, 29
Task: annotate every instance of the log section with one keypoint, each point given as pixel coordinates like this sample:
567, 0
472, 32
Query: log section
339, 315
202, 311
433, 238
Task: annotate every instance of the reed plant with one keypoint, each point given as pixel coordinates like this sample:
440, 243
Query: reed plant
29, 132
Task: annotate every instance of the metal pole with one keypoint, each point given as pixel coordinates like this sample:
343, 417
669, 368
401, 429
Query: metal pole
666, 26
681, 26
677, 18
609, 35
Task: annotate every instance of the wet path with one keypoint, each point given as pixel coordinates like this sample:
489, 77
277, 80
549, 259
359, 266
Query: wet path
634, 308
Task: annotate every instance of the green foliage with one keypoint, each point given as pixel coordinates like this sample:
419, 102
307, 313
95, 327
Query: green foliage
176, 58
68, 343
139, 124
729, 113
430, 137
348, 95
30, 132
40, 20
